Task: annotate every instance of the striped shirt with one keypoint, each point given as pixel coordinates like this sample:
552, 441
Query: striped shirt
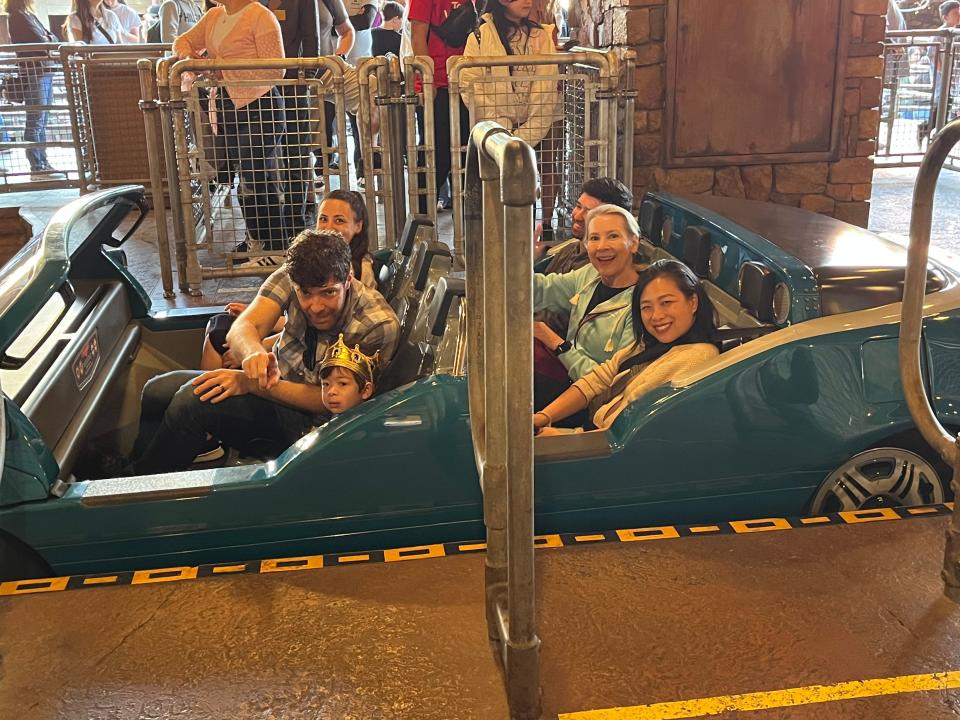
367, 321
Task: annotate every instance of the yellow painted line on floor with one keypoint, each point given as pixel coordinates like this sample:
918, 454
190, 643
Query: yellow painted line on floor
814, 520
220, 569
589, 538
793, 697
353, 558
705, 529
922, 511
100, 580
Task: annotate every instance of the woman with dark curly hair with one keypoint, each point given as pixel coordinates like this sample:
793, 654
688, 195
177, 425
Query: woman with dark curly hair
346, 212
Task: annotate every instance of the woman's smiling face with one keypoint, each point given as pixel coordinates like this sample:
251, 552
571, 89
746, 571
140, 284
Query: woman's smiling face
610, 246
338, 215
666, 312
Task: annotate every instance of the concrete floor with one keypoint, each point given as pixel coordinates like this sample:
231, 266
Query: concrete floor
621, 624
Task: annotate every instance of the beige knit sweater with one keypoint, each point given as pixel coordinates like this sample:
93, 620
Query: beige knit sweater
674, 362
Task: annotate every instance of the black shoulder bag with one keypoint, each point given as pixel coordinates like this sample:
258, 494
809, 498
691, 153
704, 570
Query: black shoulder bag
458, 25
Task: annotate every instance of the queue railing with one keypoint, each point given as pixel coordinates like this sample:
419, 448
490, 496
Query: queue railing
943, 442
579, 116
499, 202
39, 144
245, 178
921, 84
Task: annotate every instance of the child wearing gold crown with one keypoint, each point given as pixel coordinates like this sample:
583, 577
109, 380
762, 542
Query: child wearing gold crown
346, 377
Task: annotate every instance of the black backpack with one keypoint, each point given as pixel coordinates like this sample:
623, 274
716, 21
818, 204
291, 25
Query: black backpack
458, 25
153, 32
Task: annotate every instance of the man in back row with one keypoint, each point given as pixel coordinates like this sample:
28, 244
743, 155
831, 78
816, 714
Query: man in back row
571, 254
276, 397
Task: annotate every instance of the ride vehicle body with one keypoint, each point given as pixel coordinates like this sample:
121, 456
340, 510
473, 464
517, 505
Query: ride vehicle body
776, 426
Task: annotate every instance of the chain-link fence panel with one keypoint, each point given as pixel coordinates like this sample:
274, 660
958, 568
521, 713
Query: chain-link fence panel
921, 79
39, 148
567, 106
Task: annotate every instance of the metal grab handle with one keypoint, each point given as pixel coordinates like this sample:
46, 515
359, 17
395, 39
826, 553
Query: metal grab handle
914, 288
911, 324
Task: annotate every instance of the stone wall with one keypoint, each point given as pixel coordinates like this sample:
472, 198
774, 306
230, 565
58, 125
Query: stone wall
840, 188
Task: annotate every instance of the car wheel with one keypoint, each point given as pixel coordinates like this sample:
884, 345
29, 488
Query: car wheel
881, 477
19, 562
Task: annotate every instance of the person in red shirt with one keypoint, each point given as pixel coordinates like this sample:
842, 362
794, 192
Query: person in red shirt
421, 15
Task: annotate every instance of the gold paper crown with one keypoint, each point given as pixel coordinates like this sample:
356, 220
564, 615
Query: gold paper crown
339, 355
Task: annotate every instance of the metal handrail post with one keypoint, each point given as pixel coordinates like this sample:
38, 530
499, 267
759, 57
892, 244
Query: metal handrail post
367, 68
148, 105
173, 173
393, 150
75, 119
628, 90
502, 181
411, 67
946, 77
911, 327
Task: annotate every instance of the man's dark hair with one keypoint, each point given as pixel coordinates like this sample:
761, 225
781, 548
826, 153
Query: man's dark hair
391, 10
318, 257
946, 7
609, 191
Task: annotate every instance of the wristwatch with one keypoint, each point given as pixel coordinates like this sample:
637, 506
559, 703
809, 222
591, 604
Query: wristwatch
562, 347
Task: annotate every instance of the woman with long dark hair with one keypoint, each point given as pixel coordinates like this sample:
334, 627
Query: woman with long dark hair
346, 212
94, 23
522, 98
677, 334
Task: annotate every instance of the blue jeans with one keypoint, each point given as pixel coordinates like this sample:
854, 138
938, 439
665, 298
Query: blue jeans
174, 424
38, 90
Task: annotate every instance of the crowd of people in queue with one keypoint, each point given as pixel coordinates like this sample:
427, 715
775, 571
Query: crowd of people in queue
608, 327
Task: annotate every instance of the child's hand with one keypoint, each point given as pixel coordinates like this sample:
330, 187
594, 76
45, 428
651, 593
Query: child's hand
235, 308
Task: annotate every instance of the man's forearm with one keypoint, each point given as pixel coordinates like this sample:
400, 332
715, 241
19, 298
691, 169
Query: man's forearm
301, 396
244, 339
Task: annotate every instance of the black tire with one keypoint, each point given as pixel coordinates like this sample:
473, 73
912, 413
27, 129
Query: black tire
20, 562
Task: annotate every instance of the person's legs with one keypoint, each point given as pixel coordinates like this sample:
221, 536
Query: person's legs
237, 422
441, 144
550, 178
259, 125
296, 156
154, 400
37, 92
357, 149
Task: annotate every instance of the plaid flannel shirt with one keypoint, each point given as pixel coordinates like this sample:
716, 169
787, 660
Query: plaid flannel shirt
367, 321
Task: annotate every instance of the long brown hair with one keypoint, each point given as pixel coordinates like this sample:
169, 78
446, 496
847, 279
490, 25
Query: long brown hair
16, 5
81, 8
360, 245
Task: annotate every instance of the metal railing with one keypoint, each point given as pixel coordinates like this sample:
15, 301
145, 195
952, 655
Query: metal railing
65, 110
499, 203
911, 326
921, 82
576, 109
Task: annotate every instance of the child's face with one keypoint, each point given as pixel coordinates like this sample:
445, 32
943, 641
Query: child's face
341, 391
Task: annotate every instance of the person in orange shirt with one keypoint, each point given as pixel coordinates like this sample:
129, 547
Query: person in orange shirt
250, 117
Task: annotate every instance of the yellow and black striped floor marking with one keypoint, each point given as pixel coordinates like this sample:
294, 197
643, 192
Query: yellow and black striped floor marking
426, 552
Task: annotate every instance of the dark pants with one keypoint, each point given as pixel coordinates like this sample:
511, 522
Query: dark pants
37, 90
253, 132
441, 140
174, 424
297, 160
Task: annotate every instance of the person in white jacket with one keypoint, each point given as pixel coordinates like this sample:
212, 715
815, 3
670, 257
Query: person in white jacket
525, 99
677, 321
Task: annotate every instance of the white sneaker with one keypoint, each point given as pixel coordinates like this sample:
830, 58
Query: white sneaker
47, 174
264, 261
210, 455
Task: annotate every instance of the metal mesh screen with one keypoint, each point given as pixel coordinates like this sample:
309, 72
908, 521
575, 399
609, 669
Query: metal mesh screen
36, 138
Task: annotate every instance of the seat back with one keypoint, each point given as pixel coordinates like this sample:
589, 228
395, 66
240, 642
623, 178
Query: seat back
696, 249
393, 274
757, 285
651, 220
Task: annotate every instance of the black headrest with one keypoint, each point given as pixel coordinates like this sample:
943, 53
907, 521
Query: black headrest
651, 220
425, 256
756, 290
416, 227
446, 290
696, 249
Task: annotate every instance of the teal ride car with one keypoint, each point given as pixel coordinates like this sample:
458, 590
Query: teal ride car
802, 412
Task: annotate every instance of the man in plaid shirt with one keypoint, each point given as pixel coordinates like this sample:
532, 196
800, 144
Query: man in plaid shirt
275, 398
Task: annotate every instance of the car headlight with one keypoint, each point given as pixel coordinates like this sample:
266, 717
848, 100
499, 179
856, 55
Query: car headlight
716, 262
781, 304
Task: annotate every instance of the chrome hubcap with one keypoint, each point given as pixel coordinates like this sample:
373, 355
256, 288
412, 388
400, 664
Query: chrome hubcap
882, 477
